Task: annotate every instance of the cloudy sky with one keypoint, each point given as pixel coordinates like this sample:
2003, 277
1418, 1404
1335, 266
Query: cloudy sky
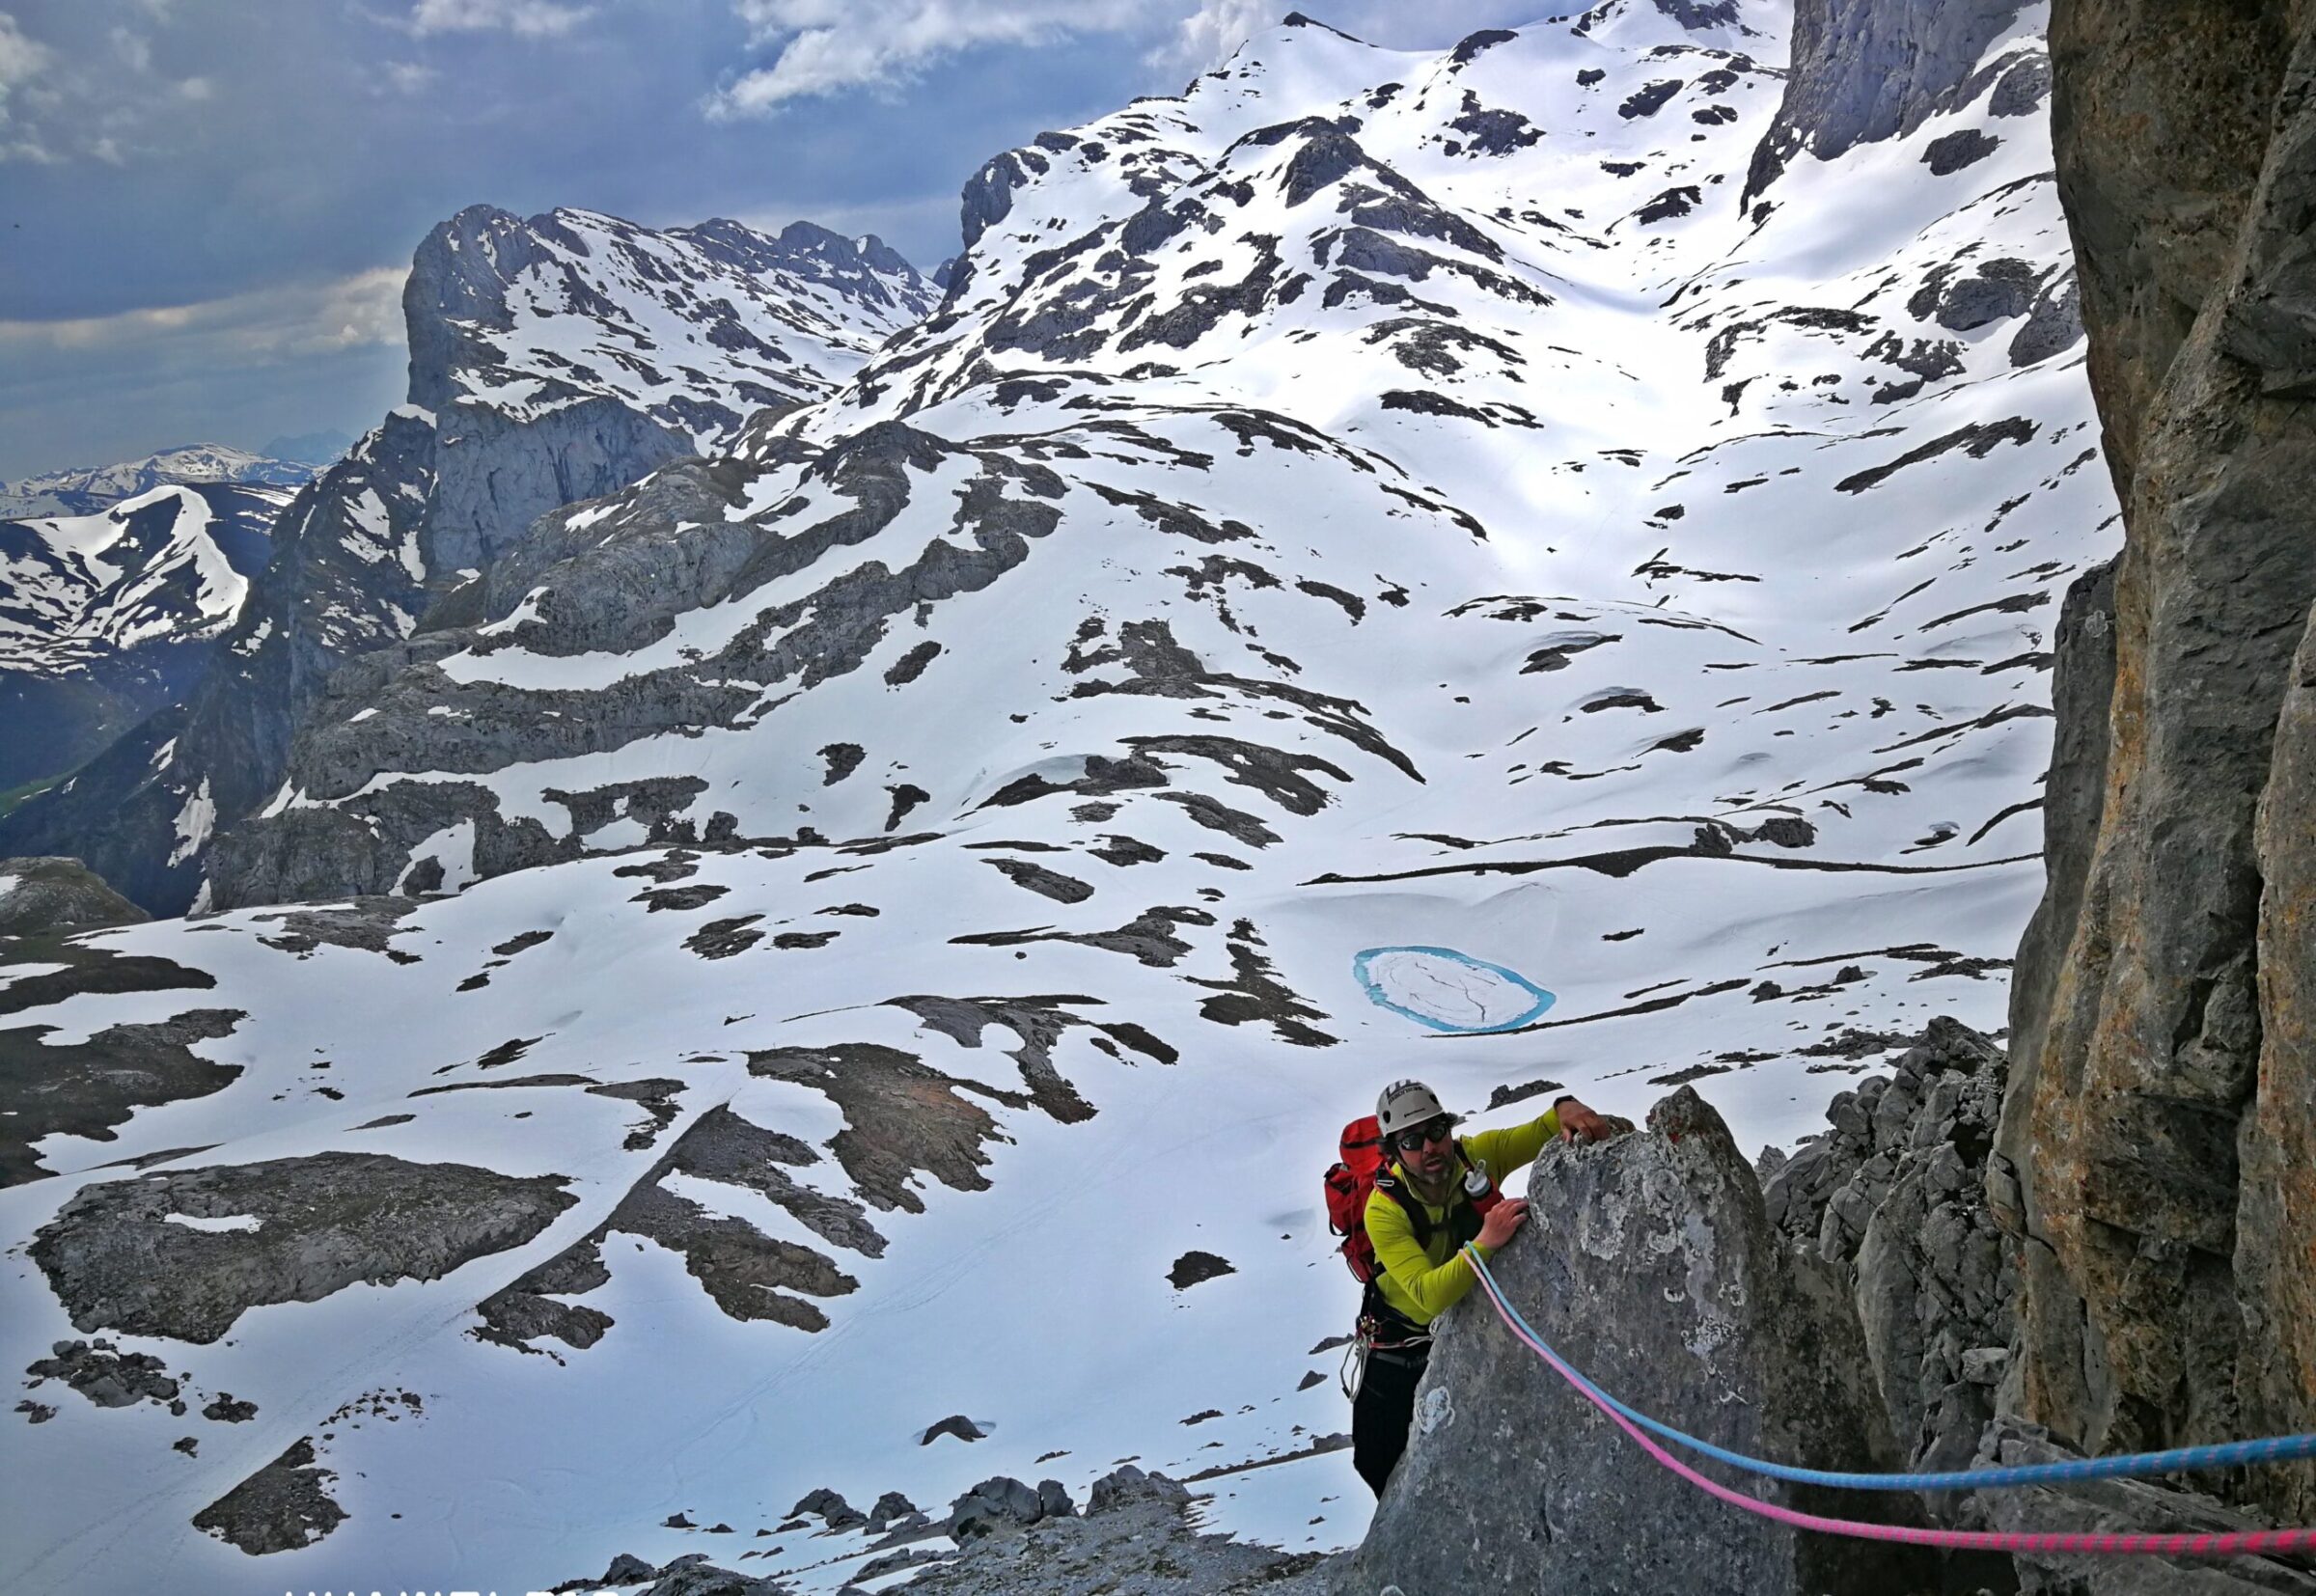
206, 207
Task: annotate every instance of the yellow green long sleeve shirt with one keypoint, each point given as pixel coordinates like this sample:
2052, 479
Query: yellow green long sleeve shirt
1425, 1282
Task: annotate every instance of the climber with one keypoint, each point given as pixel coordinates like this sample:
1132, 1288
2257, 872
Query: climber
1436, 1191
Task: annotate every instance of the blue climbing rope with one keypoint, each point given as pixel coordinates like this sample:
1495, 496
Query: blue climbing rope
2229, 1454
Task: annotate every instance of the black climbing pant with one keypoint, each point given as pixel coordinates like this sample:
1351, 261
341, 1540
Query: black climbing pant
1383, 1411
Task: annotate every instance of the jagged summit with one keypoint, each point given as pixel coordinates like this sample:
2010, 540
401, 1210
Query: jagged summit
694, 326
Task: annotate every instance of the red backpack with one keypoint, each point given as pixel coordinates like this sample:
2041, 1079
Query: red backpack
1361, 1171
1349, 1183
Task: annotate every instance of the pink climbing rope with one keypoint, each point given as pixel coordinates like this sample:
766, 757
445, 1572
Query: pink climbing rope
2228, 1543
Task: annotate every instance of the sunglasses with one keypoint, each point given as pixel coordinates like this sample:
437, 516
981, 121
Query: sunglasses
1434, 1130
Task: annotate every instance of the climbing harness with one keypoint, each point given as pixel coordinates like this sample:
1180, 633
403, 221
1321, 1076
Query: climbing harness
2214, 1544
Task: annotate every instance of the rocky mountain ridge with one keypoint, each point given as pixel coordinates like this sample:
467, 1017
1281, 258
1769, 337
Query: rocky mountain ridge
533, 383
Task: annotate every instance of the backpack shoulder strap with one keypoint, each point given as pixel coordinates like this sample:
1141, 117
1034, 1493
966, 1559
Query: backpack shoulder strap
1418, 1219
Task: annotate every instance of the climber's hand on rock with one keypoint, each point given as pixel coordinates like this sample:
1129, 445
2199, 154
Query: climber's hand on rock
1502, 1222
1578, 1123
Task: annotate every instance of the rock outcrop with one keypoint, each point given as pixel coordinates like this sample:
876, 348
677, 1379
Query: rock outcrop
1660, 1275
1864, 70
39, 896
2154, 1159
1894, 1197
184, 1254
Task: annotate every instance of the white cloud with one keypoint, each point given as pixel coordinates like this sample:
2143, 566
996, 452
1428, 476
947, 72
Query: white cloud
240, 330
95, 94
1206, 37
22, 59
526, 19
410, 78
829, 46
134, 49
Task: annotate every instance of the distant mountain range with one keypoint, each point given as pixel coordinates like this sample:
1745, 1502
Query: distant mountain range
83, 490
108, 615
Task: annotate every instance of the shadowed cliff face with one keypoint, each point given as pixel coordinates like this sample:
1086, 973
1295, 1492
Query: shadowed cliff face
2156, 1152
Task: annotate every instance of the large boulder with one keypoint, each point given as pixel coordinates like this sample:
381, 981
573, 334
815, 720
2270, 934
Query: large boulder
1651, 1266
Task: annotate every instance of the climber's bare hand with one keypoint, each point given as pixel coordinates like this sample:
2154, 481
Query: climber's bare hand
1502, 1222
1578, 1123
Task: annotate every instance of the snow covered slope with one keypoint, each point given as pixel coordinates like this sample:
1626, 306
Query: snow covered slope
1383, 548
105, 617
84, 490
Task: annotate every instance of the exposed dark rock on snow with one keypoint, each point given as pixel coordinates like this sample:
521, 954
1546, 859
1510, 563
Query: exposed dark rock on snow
1950, 153
1656, 1271
745, 1273
2157, 1143
105, 1375
227, 1409
280, 1507
1052, 884
1256, 995
1195, 1266
901, 1116
1040, 1023
86, 1088
293, 1229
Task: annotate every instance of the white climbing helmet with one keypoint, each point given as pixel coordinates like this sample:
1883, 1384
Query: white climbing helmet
1407, 1104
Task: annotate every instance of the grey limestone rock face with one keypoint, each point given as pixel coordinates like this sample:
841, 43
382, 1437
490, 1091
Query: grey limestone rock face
1864, 70
1652, 1266
1893, 1197
497, 475
2155, 1165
